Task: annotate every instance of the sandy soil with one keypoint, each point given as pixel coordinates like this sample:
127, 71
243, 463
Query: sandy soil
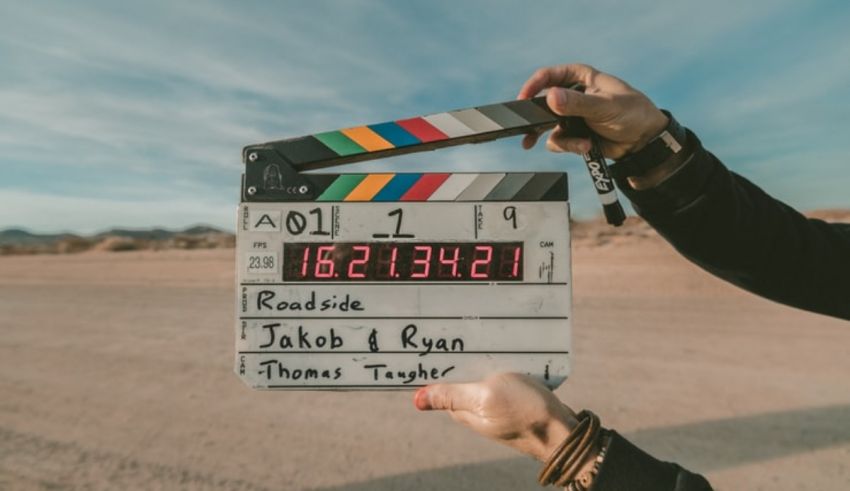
115, 373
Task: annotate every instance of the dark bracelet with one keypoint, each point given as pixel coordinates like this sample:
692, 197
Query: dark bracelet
670, 144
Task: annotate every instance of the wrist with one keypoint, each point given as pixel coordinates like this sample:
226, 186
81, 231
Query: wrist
660, 173
661, 157
655, 176
554, 431
654, 124
575, 462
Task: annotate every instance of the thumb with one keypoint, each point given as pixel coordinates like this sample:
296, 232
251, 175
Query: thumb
453, 397
568, 102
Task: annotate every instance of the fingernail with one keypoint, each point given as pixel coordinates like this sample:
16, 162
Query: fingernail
420, 399
560, 97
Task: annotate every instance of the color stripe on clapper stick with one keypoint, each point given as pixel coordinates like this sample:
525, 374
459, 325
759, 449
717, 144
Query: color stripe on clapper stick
415, 134
519, 186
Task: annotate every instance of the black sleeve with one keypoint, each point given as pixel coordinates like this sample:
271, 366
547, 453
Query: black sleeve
627, 467
732, 229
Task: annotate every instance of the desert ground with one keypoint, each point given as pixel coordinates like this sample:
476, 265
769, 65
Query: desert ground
116, 373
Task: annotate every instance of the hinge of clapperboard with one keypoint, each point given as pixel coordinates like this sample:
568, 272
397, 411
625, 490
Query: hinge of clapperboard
273, 170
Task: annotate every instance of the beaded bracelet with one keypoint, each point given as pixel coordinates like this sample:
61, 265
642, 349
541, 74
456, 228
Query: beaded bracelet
585, 481
571, 456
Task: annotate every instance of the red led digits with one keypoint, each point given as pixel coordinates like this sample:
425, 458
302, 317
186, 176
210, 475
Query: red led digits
448, 261
324, 262
305, 261
362, 262
480, 262
387, 257
403, 261
424, 261
393, 259
509, 261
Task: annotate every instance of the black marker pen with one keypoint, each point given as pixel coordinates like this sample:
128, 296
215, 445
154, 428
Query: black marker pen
603, 183
596, 166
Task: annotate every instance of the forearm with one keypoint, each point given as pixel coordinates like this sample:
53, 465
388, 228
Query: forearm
731, 228
628, 467
595, 459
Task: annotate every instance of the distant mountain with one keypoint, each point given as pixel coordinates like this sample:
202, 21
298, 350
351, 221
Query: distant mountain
158, 233
19, 236
21, 241
203, 229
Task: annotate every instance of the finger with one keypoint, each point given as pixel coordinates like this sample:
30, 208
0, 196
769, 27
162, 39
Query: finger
568, 102
559, 142
453, 397
530, 139
556, 76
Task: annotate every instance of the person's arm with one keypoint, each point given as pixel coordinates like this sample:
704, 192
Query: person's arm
522, 413
627, 467
715, 218
734, 230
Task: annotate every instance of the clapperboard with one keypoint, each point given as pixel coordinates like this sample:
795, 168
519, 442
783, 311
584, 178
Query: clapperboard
399, 280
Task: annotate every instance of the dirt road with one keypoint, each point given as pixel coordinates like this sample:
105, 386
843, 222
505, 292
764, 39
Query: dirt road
115, 373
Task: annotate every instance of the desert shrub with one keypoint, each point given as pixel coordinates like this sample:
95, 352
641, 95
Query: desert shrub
120, 244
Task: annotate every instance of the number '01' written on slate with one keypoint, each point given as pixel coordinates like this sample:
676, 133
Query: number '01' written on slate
388, 281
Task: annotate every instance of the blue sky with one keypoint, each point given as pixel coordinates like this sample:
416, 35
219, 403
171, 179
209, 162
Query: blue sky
134, 113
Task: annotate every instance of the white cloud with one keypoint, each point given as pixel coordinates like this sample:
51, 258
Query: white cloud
156, 99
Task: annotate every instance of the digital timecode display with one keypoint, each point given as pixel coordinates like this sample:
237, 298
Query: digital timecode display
403, 261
